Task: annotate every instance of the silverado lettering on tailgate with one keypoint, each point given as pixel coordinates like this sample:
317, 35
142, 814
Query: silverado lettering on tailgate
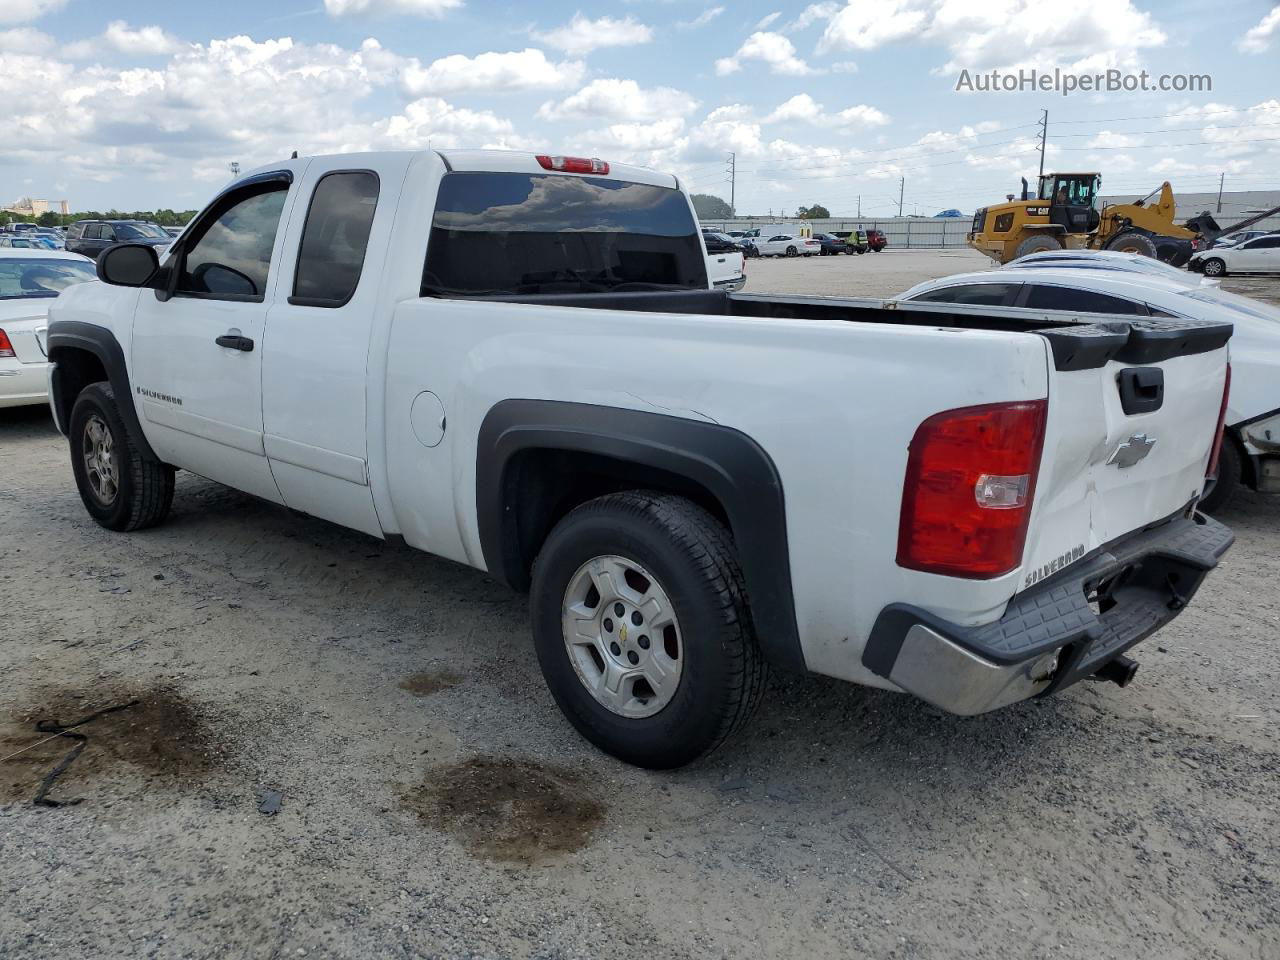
1054, 565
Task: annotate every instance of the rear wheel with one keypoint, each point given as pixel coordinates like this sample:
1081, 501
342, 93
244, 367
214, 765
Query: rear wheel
120, 488
1036, 244
642, 629
1134, 243
1215, 267
791, 251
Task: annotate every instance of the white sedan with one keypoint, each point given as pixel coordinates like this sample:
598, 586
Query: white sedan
787, 245
1251, 447
29, 280
1259, 255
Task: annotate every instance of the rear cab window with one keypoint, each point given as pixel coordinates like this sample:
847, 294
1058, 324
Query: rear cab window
500, 234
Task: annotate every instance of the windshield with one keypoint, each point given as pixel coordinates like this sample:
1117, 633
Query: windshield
519, 233
141, 231
31, 278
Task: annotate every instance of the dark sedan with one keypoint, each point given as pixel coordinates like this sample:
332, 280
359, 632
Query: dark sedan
831, 245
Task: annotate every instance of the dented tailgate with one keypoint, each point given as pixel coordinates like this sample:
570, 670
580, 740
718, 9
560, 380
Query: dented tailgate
1127, 441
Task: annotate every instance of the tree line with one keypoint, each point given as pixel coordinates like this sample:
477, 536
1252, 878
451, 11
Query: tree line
710, 207
164, 217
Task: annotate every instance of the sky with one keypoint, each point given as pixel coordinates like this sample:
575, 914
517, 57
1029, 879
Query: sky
141, 105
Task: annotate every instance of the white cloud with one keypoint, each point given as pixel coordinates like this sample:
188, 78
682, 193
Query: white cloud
802, 108
767, 20
772, 48
433, 9
1110, 139
25, 40
433, 120
21, 11
814, 13
621, 99
701, 20
580, 35
121, 38
1258, 37
636, 137
527, 69
1092, 34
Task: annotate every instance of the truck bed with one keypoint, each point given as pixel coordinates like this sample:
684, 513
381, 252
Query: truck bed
1078, 343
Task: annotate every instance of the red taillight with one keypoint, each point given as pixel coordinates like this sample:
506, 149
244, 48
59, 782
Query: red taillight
1222, 423
971, 479
6, 348
573, 164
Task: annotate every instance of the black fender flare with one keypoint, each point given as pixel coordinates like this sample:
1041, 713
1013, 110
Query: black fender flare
727, 463
67, 335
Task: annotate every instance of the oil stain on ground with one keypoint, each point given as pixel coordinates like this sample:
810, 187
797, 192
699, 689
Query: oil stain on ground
429, 682
160, 739
508, 809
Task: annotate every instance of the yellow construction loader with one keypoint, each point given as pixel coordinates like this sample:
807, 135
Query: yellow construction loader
1064, 214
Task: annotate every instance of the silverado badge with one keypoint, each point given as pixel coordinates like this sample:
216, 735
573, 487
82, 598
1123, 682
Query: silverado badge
1132, 450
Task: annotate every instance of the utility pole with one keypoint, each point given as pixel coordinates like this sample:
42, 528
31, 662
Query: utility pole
902, 185
733, 183
859, 206
1222, 178
1044, 136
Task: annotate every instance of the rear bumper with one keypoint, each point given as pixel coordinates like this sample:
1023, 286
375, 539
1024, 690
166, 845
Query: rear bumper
23, 384
733, 286
1062, 630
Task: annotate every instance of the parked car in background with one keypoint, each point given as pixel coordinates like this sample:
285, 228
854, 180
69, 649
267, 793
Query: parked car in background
831, 245
1259, 255
876, 240
29, 281
787, 245
173, 231
1105, 260
14, 241
91, 237
721, 242
1237, 238
1251, 448
727, 270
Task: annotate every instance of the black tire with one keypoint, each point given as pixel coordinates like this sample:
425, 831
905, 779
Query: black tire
693, 559
143, 491
1037, 244
1213, 267
1134, 243
791, 251
1218, 490
860, 251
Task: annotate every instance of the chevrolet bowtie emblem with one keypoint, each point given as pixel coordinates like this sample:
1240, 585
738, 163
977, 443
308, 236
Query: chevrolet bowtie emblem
1132, 450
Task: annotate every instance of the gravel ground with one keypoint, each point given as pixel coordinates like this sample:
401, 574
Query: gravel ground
435, 804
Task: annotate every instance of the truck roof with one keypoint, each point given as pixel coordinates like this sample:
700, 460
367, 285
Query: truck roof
496, 161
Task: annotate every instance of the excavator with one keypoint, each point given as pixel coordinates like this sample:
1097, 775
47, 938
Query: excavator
1064, 214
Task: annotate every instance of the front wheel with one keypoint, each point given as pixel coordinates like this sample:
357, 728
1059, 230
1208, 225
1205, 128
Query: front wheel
121, 489
642, 629
791, 251
1215, 267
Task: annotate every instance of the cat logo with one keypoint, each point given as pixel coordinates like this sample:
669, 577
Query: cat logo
1132, 450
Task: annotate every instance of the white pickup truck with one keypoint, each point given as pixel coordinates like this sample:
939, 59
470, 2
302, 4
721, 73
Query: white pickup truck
517, 362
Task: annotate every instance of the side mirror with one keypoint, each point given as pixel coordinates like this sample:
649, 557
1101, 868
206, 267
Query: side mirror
128, 264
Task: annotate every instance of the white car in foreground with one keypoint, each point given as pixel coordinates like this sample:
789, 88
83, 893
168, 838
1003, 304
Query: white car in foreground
29, 282
787, 245
1251, 446
1259, 255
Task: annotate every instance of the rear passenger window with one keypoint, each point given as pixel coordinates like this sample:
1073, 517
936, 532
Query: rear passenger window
983, 294
1043, 297
334, 238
